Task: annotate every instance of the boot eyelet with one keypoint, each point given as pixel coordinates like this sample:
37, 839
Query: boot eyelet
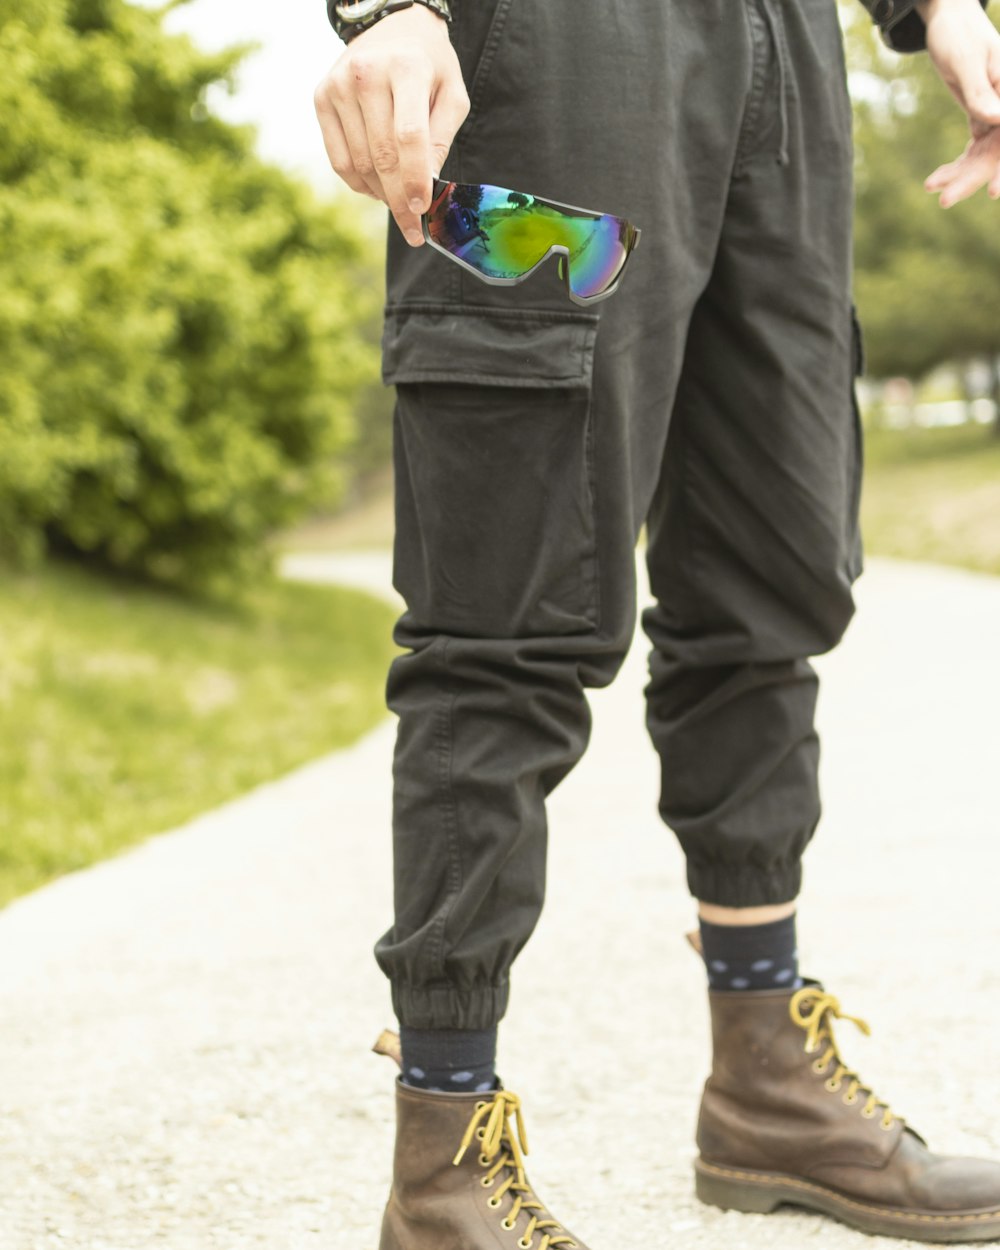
832, 1085
507, 1225
525, 1245
819, 1068
487, 1181
867, 1114
850, 1100
480, 1105
493, 1202
883, 1125
480, 1133
483, 1161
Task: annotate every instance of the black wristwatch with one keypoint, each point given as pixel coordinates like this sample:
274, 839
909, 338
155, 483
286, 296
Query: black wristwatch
351, 17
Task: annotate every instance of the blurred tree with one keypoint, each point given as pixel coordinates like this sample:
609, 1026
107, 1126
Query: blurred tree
926, 278
182, 327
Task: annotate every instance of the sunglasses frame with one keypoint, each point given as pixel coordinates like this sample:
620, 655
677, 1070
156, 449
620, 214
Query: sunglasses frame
557, 249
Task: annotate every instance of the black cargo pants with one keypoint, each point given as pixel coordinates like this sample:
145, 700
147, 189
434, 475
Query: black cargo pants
712, 395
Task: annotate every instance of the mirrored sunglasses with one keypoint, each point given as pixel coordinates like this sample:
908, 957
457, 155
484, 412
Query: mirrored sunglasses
502, 236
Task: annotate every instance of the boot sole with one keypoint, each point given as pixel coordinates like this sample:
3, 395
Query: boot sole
736, 1189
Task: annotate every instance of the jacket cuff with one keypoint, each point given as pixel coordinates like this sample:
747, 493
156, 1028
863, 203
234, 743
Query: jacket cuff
900, 25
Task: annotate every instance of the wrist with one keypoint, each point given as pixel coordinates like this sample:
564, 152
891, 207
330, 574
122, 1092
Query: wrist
928, 8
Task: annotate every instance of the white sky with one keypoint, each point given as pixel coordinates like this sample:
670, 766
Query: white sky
276, 83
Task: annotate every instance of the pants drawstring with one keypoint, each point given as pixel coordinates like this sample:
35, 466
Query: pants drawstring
779, 50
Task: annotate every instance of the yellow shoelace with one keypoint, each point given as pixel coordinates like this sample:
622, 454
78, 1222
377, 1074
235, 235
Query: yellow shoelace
500, 1149
817, 1022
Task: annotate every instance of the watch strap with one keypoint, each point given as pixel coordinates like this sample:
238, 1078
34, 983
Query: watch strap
348, 25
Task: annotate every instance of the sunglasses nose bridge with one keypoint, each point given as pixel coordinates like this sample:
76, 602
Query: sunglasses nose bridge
561, 251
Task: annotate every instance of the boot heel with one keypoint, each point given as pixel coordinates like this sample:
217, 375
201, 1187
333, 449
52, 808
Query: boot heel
734, 1194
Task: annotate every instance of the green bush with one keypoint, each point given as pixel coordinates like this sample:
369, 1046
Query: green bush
181, 339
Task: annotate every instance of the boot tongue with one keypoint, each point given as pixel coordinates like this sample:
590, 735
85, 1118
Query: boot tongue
387, 1043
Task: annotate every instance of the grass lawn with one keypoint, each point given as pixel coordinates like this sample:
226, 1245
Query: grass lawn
126, 710
933, 494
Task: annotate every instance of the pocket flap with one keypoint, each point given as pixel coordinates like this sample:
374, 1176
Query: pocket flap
456, 343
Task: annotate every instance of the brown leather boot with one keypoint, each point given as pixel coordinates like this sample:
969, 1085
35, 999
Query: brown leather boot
458, 1176
784, 1120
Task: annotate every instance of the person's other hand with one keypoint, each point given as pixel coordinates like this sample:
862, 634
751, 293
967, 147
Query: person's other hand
389, 109
965, 48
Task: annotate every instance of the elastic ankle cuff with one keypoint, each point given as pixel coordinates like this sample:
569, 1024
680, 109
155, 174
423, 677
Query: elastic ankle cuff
744, 885
447, 1007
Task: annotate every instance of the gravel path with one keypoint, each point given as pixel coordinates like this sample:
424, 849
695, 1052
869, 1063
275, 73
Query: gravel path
185, 1031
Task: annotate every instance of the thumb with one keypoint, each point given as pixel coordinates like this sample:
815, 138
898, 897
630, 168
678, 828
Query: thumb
982, 101
985, 107
993, 68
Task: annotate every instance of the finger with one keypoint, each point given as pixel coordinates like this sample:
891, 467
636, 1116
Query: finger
411, 93
449, 109
991, 156
335, 142
980, 98
342, 98
376, 107
966, 183
356, 134
944, 173
972, 150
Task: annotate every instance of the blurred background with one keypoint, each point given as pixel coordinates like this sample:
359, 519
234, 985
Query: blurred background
190, 313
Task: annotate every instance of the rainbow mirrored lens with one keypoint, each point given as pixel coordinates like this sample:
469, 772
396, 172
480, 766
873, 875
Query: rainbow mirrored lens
502, 234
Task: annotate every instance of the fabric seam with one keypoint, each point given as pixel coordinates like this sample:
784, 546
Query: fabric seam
484, 66
489, 311
594, 555
446, 801
752, 110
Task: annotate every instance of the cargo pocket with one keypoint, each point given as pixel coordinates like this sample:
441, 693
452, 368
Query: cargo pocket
855, 543
493, 458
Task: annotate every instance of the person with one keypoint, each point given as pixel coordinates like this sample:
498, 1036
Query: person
711, 399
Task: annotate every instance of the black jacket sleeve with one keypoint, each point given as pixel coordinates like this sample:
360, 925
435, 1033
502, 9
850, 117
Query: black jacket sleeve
900, 25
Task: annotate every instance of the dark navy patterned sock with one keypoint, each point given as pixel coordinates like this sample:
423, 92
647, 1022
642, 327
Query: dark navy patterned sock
451, 1060
751, 957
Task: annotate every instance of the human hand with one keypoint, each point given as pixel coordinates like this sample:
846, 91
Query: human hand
964, 46
389, 109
